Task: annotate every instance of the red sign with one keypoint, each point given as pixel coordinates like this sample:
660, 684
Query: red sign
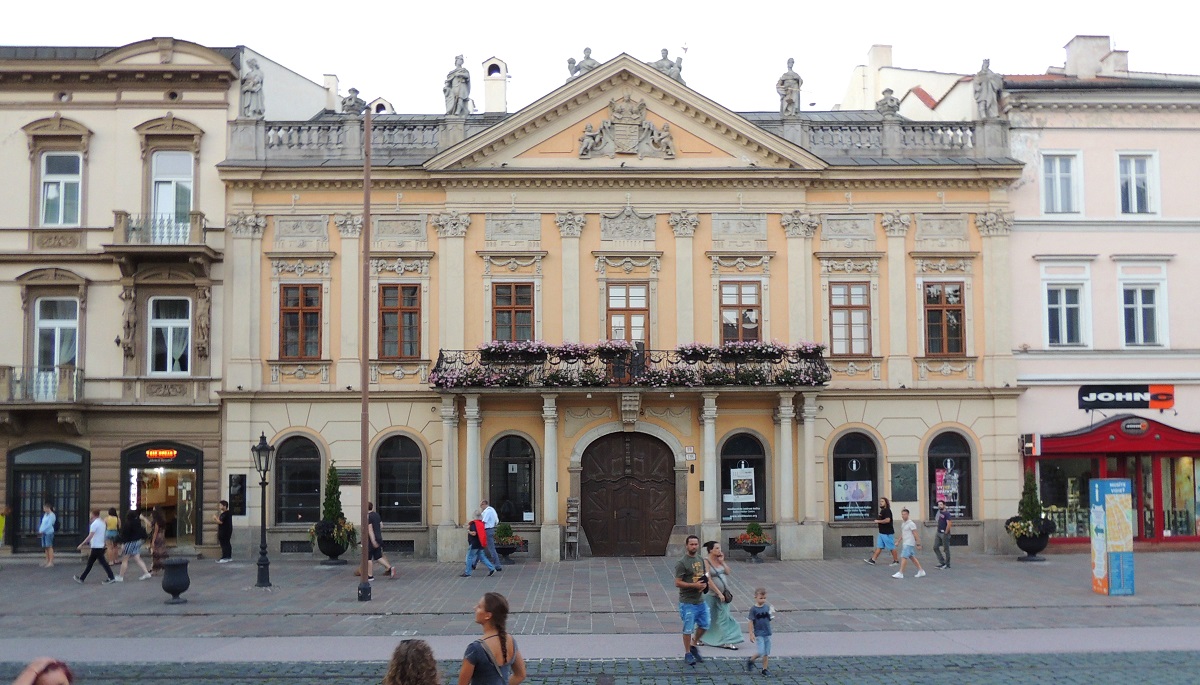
161, 454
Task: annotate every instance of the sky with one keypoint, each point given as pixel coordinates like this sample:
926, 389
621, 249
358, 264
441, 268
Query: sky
732, 52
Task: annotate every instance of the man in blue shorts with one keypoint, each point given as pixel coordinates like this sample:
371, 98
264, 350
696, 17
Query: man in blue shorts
692, 582
887, 533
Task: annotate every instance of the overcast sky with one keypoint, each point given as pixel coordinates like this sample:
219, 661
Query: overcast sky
735, 51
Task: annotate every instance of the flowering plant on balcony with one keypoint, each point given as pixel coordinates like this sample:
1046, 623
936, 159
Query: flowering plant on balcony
466, 377
670, 377
513, 350
753, 349
718, 375
802, 375
610, 349
806, 348
750, 375
697, 352
571, 351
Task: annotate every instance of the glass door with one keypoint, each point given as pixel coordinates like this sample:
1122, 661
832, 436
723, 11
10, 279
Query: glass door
1140, 470
1178, 483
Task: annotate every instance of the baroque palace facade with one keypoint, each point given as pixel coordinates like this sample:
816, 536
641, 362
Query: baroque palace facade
623, 206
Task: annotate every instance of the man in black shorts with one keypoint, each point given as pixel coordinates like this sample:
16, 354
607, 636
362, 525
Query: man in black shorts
375, 542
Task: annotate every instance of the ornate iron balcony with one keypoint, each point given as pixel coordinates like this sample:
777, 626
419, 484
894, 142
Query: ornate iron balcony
639, 368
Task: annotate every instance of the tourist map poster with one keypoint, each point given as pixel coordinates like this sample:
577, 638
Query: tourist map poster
1112, 536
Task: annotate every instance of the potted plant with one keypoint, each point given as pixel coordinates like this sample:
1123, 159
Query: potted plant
513, 351
572, 351
333, 533
753, 541
612, 350
1029, 528
507, 541
752, 350
694, 352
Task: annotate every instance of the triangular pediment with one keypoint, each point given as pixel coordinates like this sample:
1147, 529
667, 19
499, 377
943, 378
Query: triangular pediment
625, 115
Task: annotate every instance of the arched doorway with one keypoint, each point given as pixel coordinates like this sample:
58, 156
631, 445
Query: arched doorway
627, 492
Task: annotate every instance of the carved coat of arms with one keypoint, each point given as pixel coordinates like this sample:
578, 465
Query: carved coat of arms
626, 131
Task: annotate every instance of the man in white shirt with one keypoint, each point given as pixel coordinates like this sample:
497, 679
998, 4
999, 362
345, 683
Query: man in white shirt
910, 545
95, 539
490, 518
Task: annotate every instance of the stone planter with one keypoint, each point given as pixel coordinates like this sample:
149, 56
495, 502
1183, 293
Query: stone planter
506, 549
332, 549
1031, 546
754, 551
175, 580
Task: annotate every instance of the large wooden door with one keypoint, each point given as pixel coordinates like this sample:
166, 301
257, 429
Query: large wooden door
627, 488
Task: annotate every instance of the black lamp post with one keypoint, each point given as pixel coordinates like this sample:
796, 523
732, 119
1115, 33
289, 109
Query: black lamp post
262, 463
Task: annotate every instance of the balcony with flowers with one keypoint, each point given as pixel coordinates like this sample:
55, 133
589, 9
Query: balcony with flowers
621, 364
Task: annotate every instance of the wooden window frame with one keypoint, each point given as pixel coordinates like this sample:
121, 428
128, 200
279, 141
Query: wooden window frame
739, 308
960, 308
300, 310
849, 308
513, 308
399, 310
609, 310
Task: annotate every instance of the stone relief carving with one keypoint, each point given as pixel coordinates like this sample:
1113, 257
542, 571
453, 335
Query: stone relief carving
451, 224
677, 418
627, 131
457, 90
349, 225
252, 91
853, 368
627, 264
761, 263
986, 86
302, 232
400, 230
570, 224
669, 67
401, 266
896, 224
627, 224
994, 223
300, 267
788, 87
575, 419
129, 320
942, 266
631, 408
849, 265
352, 104
511, 262
799, 225
945, 369
56, 241
942, 231
852, 230
246, 225
739, 227
684, 223
583, 66
399, 371
300, 371
203, 320
513, 227
166, 389
888, 105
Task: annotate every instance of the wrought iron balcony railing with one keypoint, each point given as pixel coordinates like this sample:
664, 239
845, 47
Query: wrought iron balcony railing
41, 384
159, 229
640, 368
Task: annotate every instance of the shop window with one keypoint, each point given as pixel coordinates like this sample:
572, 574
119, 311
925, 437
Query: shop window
512, 311
743, 480
399, 485
170, 335
297, 482
855, 482
510, 482
1063, 488
850, 319
950, 475
741, 311
400, 321
300, 322
944, 315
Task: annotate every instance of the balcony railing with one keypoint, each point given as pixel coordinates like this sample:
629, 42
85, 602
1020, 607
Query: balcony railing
642, 368
41, 384
159, 229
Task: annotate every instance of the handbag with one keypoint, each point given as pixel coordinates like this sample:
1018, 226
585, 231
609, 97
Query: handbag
726, 595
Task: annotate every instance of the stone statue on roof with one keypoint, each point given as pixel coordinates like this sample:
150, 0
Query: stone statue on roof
352, 104
788, 87
987, 85
457, 90
252, 95
583, 66
668, 67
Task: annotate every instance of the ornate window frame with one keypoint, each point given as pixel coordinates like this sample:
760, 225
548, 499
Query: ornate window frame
163, 134
852, 267
524, 266
640, 266
49, 135
400, 268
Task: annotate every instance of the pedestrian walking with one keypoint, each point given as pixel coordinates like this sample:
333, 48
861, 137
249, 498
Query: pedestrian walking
132, 535
45, 531
158, 540
942, 541
759, 621
45, 671
692, 581
375, 544
224, 521
477, 547
95, 541
112, 524
490, 521
493, 659
412, 664
887, 533
4, 514
910, 543
724, 630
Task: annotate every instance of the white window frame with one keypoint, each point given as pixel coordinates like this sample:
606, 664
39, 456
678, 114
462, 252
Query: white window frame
170, 325
60, 180
1152, 185
872, 318
1067, 271
1143, 272
167, 220
57, 325
1076, 182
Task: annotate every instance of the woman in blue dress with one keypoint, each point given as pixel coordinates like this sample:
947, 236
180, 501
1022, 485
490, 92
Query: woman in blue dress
492, 659
723, 630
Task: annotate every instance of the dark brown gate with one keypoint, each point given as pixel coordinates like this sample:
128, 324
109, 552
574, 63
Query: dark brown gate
627, 487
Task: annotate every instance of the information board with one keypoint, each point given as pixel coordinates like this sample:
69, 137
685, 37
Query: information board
1112, 535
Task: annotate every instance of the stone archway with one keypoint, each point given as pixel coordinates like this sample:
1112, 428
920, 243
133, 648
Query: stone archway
627, 495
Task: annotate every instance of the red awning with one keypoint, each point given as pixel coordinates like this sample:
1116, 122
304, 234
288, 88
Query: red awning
1123, 434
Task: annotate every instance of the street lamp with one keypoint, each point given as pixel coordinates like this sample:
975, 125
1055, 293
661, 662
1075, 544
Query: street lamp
262, 463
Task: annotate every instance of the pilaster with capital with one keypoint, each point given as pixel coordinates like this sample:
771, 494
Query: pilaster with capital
799, 227
785, 475
570, 227
899, 359
995, 228
474, 473
683, 224
452, 230
712, 482
243, 257
449, 483
809, 445
551, 531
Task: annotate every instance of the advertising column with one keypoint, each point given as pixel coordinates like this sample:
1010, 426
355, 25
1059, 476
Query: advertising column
1112, 536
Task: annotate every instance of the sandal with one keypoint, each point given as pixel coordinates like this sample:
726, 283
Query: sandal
733, 647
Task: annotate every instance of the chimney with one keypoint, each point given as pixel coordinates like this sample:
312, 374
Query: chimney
333, 101
495, 85
1084, 54
1115, 63
879, 56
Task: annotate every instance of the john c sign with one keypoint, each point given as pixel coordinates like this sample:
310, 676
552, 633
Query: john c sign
1126, 396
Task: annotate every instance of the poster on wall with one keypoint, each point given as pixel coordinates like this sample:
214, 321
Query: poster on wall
1112, 535
741, 485
852, 499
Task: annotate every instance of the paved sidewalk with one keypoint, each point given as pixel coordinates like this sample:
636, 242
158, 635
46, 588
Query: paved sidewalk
985, 604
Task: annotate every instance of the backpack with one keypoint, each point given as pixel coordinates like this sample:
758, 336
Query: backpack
56, 524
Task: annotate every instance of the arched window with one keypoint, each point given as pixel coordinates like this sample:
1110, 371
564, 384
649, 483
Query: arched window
743, 480
950, 474
510, 485
855, 482
297, 482
398, 482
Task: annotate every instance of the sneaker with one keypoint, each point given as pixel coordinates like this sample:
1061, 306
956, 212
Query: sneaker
870, 561
766, 672
464, 575
491, 571
78, 579
498, 568
370, 578
947, 566
145, 576
920, 574
109, 581
119, 579
689, 659
898, 574
942, 566
224, 561
894, 563
749, 665
695, 651
392, 572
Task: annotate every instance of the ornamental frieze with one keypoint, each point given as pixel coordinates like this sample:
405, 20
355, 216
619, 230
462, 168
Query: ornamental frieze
799, 224
246, 225
627, 224
300, 266
451, 224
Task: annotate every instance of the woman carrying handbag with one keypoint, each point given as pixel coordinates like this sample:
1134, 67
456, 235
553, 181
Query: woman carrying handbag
723, 630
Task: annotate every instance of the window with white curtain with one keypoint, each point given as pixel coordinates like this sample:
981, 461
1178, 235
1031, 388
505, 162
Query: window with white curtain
57, 324
172, 198
61, 180
170, 335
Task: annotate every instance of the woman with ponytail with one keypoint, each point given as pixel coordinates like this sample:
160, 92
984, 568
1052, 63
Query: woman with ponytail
492, 659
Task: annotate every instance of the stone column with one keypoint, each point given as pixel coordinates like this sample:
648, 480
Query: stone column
551, 530
570, 227
899, 360
452, 232
683, 224
785, 485
473, 477
998, 367
450, 546
799, 229
808, 541
711, 522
